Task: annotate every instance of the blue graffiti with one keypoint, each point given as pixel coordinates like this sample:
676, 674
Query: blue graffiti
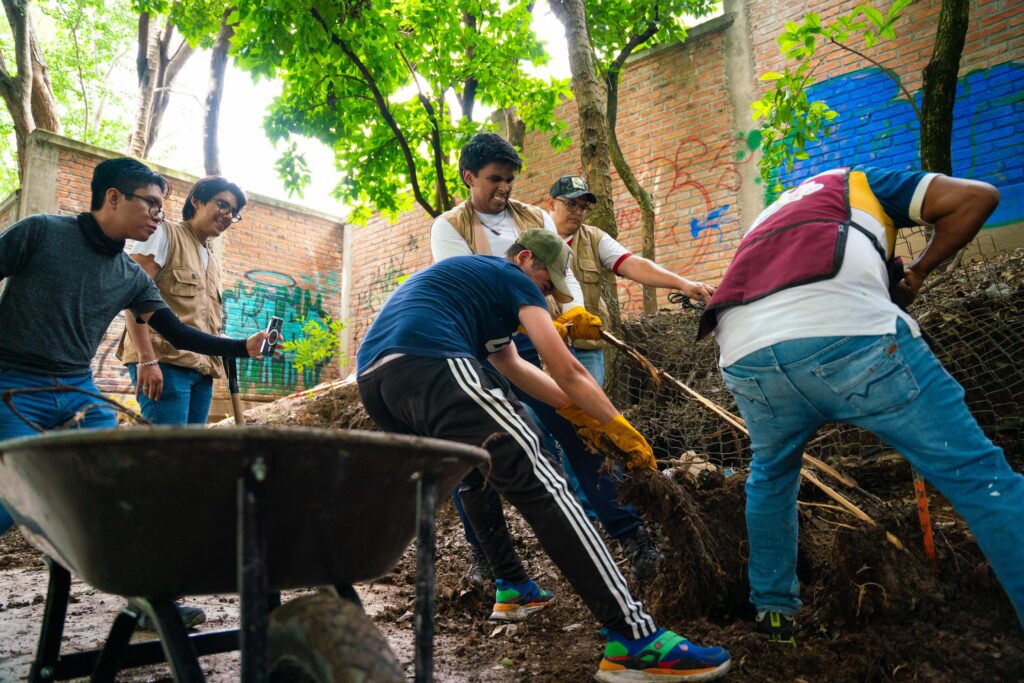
875, 126
248, 306
710, 223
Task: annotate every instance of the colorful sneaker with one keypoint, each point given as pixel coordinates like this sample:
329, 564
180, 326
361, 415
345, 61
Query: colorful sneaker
779, 627
661, 657
516, 602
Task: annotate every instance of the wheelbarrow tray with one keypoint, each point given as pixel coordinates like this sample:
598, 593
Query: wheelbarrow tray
153, 511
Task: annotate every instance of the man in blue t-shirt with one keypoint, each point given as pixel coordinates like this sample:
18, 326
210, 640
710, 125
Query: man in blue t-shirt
421, 370
811, 330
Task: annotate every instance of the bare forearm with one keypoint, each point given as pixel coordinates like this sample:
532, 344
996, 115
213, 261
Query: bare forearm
646, 272
533, 381
581, 388
140, 337
957, 208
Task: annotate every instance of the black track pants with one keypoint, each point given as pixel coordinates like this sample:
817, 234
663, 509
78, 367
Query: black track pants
456, 399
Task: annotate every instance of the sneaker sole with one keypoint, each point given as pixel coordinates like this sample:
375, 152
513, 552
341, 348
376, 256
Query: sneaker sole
519, 613
661, 675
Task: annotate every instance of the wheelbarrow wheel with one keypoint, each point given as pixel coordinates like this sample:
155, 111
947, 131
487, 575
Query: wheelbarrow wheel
324, 639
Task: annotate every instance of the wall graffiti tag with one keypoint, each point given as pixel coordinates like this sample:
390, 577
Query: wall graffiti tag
876, 126
259, 294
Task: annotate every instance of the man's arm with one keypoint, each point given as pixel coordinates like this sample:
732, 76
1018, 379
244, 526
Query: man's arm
957, 208
445, 241
150, 377
649, 273
187, 338
566, 372
570, 278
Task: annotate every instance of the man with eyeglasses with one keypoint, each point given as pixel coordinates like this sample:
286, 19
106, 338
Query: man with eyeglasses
66, 279
175, 386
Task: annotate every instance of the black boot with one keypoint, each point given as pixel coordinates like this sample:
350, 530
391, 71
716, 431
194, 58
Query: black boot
479, 572
644, 556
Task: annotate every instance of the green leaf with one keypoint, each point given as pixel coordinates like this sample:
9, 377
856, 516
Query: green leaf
770, 76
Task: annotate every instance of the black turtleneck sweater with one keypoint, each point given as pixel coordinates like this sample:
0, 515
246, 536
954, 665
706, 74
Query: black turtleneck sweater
65, 283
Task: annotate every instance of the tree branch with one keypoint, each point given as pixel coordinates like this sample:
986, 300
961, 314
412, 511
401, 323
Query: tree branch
443, 202
385, 111
888, 72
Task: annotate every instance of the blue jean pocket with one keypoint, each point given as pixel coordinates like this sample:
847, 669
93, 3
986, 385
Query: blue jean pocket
750, 400
873, 379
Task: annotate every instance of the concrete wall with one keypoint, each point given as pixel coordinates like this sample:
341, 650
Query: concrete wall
684, 125
281, 259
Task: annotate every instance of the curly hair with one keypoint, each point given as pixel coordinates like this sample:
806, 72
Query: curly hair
487, 148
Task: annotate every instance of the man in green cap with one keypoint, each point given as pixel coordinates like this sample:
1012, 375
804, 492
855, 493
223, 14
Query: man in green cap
422, 369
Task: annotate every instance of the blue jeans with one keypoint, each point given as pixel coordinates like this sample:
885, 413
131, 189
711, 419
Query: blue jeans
593, 361
894, 387
49, 410
185, 398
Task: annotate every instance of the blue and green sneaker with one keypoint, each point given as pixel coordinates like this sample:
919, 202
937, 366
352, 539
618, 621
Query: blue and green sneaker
663, 656
515, 602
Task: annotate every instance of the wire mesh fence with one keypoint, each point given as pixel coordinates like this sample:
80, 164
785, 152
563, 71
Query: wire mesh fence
973, 313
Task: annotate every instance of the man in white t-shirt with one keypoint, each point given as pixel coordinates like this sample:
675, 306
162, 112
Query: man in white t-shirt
811, 330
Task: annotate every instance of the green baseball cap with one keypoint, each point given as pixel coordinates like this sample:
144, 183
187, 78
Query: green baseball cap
555, 253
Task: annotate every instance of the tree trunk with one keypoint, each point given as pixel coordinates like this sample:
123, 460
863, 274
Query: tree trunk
643, 197
44, 105
156, 73
595, 155
939, 87
146, 61
211, 118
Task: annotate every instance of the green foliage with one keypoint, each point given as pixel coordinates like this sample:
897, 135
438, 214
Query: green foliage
319, 343
88, 46
338, 61
790, 120
612, 23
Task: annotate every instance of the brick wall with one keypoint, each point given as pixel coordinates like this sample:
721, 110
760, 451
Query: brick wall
280, 260
678, 128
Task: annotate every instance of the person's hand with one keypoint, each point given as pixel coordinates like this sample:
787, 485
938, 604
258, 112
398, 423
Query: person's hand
254, 343
150, 381
908, 288
587, 427
697, 291
638, 452
584, 325
561, 329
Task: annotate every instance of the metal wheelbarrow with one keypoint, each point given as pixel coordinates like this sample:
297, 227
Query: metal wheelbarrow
153, 514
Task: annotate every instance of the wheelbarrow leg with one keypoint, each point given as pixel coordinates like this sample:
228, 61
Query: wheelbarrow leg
57, 593
113, 651
252, 576
426, 543
178, 649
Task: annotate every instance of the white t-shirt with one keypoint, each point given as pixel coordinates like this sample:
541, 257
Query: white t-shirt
500, 229
853, 303
156, 246
611, 253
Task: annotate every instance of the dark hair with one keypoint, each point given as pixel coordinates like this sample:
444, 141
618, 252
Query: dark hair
487, 148
206, 189
517, 248
124, 174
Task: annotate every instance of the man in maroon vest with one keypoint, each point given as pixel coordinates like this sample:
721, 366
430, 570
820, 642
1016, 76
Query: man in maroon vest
809, 334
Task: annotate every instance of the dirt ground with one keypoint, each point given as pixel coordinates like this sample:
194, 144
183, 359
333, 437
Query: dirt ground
872, 612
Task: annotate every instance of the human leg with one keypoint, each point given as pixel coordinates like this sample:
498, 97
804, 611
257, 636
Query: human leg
200, 398
779, 422
916, 406
173, 406
593, 361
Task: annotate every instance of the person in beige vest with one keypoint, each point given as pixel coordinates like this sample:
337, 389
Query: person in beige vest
174, 386
596, 252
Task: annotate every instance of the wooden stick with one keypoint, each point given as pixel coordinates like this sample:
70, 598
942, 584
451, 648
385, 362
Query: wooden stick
739, 424
924, 517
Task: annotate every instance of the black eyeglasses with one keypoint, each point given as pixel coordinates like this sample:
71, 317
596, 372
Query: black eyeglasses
578, 207
224, 208
156, 209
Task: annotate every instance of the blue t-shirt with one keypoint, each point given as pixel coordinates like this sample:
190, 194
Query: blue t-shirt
461, 307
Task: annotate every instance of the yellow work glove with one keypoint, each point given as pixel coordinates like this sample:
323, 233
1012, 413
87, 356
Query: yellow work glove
561, 329
631, 442
587, 428
584, 325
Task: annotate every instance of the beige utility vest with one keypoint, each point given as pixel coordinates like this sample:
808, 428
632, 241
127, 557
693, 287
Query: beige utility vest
465, 221
587, 266
193, 295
